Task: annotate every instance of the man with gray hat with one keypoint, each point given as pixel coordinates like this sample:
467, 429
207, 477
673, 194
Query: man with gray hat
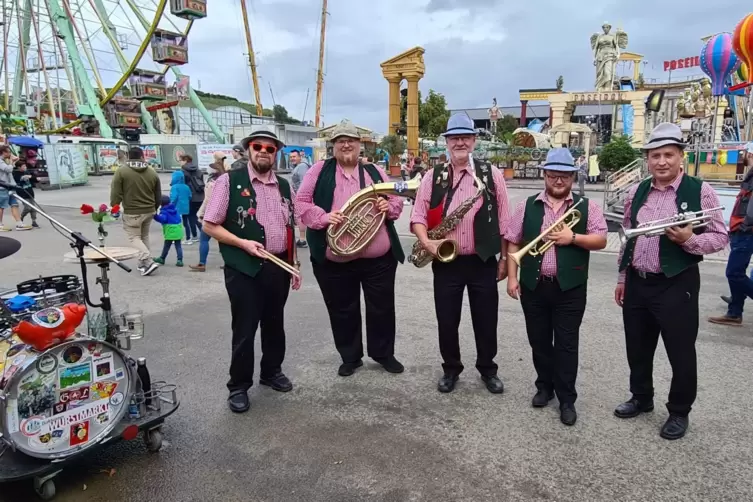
324, 190
239, 154
479, 237
251, 212
552, 286
659, 280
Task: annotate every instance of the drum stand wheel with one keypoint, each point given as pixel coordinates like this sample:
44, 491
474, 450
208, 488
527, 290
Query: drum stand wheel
153, 440
45, 486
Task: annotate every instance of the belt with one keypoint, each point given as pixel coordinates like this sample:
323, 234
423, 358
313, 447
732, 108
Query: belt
548, 278
648, 275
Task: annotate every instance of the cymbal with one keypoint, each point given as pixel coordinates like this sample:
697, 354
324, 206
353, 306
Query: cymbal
91, 256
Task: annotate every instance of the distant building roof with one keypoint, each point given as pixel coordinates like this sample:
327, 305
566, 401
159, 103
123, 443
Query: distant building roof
534, 111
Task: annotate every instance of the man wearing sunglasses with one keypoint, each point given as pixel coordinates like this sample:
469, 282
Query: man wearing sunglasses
552, 285
325, 188
250, 211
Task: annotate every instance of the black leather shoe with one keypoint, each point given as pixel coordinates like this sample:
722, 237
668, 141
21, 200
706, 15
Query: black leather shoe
542, 398
347, 369
568, 415
493, 384
238, 402
390, 364
278, 382
447, 383
633, 408
675, 427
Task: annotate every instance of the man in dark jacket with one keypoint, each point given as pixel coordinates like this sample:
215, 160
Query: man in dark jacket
25, 181
195, 181
137, 187
241, 161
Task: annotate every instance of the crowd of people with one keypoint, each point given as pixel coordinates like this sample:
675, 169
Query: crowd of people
17, 173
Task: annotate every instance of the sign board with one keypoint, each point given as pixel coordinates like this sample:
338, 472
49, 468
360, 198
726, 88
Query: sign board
598, 97
66, 164
171, 155
153, 156
206, 154
107, 157
681, 64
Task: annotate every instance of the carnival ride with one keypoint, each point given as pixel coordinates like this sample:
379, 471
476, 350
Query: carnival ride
99, 65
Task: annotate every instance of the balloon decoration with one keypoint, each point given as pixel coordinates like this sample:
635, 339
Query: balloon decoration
742, 73
742, 42
719, 61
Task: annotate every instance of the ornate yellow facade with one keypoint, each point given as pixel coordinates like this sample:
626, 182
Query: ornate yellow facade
406, 66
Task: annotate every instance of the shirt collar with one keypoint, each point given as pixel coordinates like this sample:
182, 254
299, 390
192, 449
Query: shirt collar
254, 177
675, 184
544, 198
342, 171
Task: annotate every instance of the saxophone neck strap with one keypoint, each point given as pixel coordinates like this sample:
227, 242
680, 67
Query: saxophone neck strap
451, 192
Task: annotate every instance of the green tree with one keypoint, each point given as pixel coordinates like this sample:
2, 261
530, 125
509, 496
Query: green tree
617, 154
505, 126
560, 83
280, 113
433, 115
394, 146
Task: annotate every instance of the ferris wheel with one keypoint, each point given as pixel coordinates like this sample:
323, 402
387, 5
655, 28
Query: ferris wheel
104, 66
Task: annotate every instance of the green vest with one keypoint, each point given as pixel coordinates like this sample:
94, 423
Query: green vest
572, 260
672, 257
249, 227
324, 193
486, 236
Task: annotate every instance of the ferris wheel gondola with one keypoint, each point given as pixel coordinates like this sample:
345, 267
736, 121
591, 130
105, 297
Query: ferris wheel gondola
65, 61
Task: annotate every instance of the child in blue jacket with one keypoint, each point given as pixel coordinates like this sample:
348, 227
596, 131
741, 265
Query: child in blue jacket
180, 197
171, 230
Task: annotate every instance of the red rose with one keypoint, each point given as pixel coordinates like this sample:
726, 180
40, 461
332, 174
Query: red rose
251, 211
86, 209
115, 209
102, 208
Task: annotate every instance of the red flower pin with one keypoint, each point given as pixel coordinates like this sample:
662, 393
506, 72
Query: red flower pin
246, 193
86, 209
251, 211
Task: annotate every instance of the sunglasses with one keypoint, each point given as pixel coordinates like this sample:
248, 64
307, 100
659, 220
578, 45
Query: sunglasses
258, 147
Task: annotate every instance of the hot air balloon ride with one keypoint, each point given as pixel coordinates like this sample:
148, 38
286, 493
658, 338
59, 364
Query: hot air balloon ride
719, 61
742, 43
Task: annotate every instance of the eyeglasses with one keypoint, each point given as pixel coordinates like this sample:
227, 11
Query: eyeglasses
258, 147
560, 177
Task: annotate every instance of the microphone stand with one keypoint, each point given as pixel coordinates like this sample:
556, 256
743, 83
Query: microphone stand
79, 243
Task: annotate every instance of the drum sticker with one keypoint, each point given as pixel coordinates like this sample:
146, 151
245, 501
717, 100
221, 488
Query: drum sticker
119, 374
70, 417
47, 364
71, 396
103, 418
95, 349
75, 375
73, 354
103, 367
59, 408
48, 440
32, 426
20, 358
103, 390
117, 399
79, 433
48, 318
36, 396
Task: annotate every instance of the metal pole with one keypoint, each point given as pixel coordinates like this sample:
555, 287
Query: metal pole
6, 31
24, 41
319, 73
43, 68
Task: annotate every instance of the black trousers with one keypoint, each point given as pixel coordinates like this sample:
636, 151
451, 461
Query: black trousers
341, 285
450, 280
253, 301
553, 319
668, 306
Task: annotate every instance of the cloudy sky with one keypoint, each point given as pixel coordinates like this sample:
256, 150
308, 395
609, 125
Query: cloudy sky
475, 49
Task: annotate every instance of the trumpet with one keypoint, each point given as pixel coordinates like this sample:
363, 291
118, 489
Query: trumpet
538, 246
697, 219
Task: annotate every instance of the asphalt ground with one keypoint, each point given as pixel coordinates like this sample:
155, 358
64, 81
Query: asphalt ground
383, 437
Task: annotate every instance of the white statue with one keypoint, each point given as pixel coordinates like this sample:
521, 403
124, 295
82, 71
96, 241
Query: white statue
494, 115
606, 48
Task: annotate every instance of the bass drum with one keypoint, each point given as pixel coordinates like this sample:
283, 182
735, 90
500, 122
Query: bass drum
64, 400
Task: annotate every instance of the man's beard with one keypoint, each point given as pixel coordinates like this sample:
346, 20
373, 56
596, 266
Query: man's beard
261, 168
560, 193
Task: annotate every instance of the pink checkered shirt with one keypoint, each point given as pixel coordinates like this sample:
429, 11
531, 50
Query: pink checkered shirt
463, 233
271, 211
662, 203
346, 185
595, 225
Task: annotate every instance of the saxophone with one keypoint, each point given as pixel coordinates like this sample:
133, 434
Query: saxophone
447, 249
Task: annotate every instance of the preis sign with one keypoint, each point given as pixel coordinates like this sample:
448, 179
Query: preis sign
679, 64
